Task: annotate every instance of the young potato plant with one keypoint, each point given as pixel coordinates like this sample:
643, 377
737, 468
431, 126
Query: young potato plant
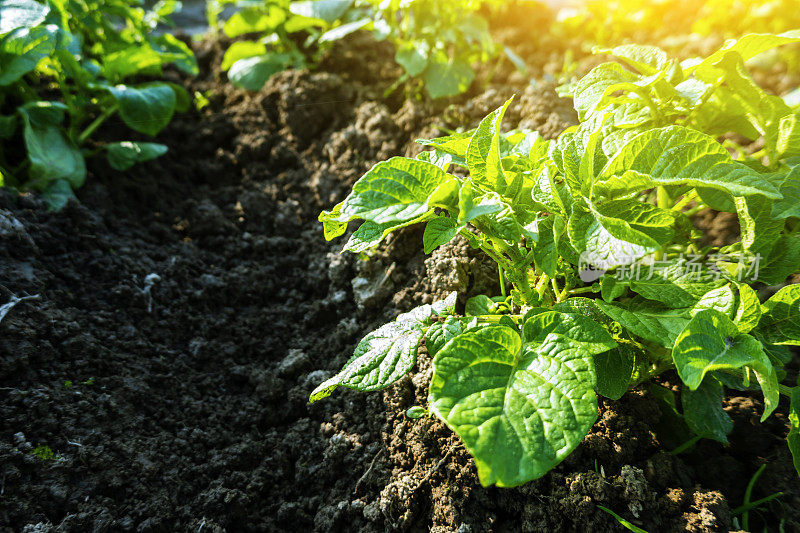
436, 42
63, 71
284, 34
610, 283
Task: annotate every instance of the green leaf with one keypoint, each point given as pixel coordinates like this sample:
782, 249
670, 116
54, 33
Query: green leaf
722, 299
613, 370
22, 50
675, 155
241, 50
439, 231
638, 222
132, 60
455, 144
178, 52
43, 113
789, 205
611, 288
591, 89
370, 234
644, 58
598, 241
780, 319
748, 46
782, 260
145, 108
123, 155
518, 410
328, 10
549, 230
330, 222
472, 204
711, 341
678, 284
759, 230
442, 160
788, 141
412, 58
340, 32
793, 439
52, 156
479, 305
652, 322
569, 333
386, 354
748, 313
57, 193
483, 152
21, 14
448, 78
440, 333
252, 73
260, 19
397, 190
703, 410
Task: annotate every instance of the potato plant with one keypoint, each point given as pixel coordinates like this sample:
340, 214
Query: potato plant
610, 283
65, 68
435, 42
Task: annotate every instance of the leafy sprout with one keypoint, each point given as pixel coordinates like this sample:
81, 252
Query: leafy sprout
517, 377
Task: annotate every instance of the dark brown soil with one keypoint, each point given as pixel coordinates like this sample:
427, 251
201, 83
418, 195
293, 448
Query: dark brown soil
187, 308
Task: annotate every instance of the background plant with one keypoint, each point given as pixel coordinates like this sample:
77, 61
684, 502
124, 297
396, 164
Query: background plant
436, 43
517, 377
65, 69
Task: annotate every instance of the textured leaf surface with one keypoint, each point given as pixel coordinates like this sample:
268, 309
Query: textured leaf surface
21, 13
654, 323
675, 155
252, 73
711, 341
396, 190
613, 370
52, 156
22, 50
519, 411
483, 152
438, 231
780, 320
123, 155
387, 354
448, 78
677, 285
703, 410
793, 439
145, 108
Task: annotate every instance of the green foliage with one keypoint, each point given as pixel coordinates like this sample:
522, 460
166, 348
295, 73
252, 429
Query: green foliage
43, 453
611, 200
85, 52
436, 43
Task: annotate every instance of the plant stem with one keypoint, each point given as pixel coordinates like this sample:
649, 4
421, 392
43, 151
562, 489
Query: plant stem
580, 290
686, 445
752, 505
695, 210
96, 123
663, 201
541, 286
783, 389
683, 202
502, 280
